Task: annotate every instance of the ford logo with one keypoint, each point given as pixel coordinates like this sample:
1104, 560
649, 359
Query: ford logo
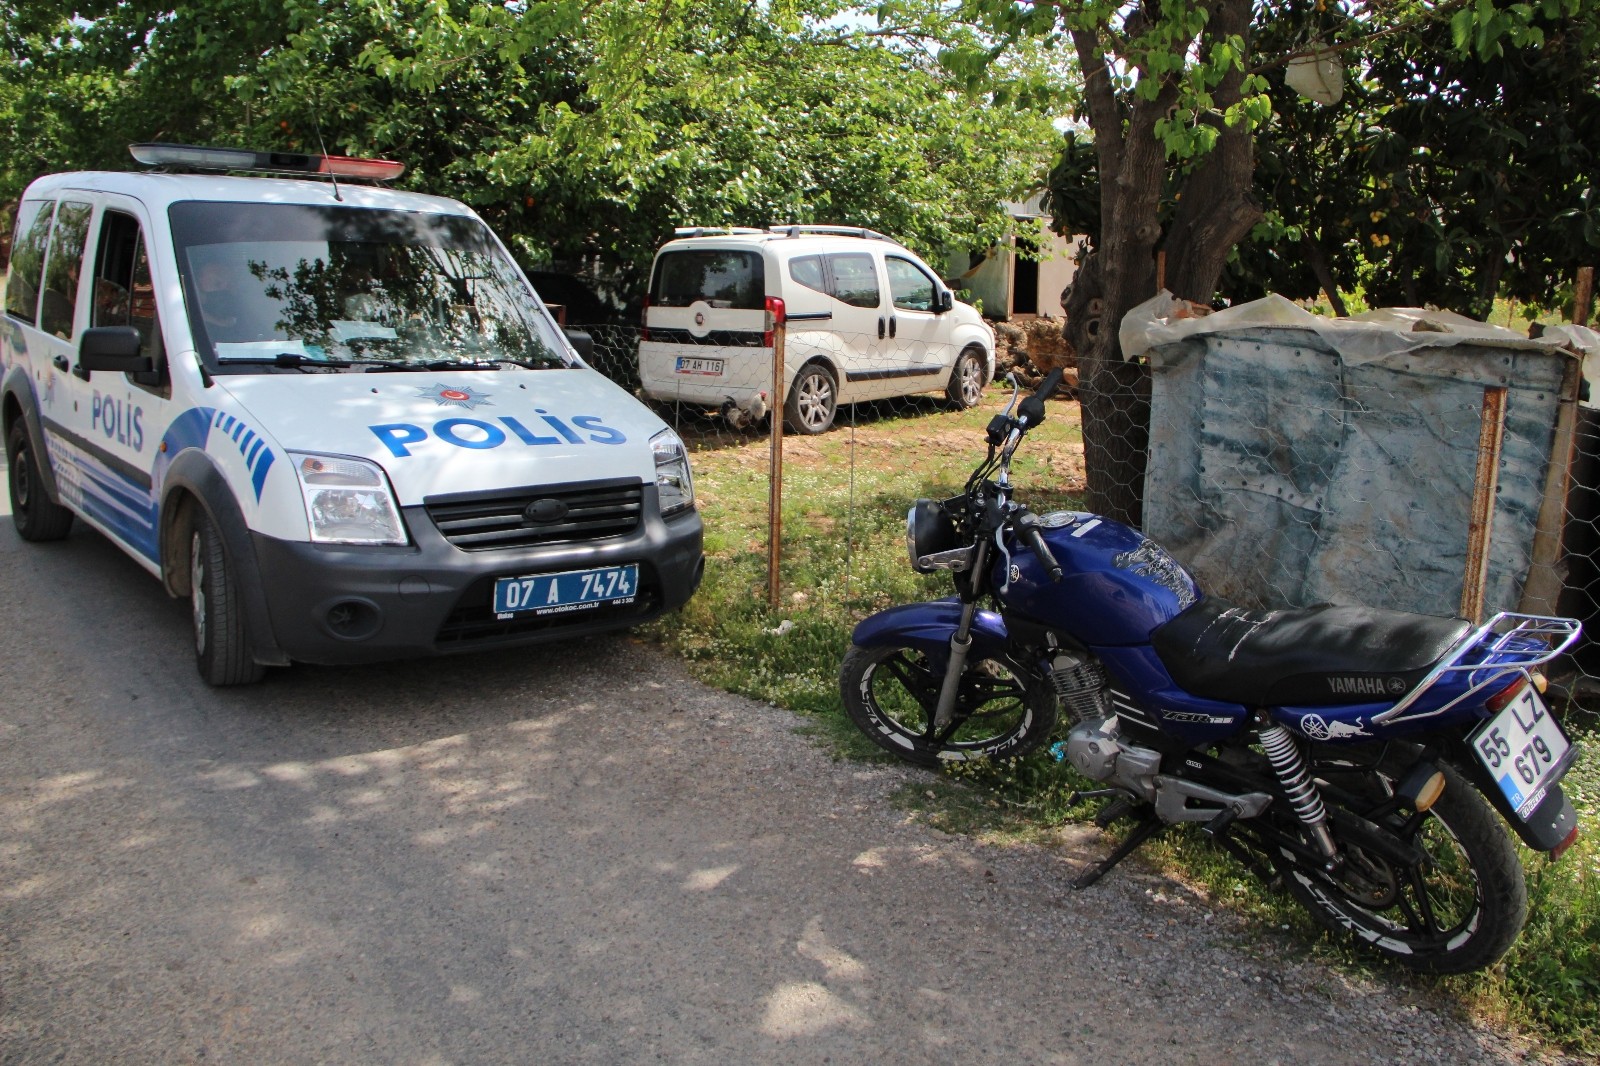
545, 511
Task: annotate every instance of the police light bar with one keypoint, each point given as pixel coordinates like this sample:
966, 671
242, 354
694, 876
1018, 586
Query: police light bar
199, 158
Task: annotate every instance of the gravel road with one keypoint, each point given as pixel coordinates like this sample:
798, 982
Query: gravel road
569, 855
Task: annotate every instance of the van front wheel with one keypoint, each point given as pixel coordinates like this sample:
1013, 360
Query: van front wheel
812, 400
967, 380
221, 649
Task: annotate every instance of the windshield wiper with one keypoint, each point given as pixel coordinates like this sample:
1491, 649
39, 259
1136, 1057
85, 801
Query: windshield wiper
298, 360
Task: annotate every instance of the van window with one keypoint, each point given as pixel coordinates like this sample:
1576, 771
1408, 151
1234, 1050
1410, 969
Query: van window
64, 267
27, 258
353, 287
720, 278
909, 286
855, 279
123, 292
807, 270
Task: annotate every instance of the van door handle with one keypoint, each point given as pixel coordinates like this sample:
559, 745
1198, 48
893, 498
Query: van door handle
61, 363
893, 322
880, 327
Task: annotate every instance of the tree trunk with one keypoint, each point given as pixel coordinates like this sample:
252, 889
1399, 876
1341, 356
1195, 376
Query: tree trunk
1215, 211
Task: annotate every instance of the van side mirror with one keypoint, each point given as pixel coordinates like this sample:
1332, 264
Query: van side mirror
113, 348
580, 340
946, 301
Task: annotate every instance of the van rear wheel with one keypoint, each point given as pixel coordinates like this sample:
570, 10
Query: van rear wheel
35, 515
812, 401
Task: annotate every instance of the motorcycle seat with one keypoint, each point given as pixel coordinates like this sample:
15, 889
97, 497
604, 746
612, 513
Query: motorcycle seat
1305, 657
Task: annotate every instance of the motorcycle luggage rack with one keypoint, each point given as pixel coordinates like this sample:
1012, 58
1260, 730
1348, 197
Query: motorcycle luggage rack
1559, 634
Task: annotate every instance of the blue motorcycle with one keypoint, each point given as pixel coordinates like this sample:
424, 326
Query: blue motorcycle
1368, 760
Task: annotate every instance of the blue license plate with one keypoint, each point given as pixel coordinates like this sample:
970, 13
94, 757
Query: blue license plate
575, 590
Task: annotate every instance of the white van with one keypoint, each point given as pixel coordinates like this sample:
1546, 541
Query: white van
865, 319
333, 416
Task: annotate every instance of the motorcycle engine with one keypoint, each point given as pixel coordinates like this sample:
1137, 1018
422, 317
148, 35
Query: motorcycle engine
1081, 685
1095, 749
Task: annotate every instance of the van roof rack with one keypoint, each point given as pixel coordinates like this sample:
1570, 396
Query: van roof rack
712, 231
835, 231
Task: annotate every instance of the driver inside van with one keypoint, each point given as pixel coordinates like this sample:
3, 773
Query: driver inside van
219, 301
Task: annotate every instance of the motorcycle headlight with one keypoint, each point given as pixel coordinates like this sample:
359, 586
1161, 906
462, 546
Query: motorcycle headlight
348, 500
673, 480
929, 533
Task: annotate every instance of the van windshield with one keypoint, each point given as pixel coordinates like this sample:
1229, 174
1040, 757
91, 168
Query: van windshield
720, 278
294, 285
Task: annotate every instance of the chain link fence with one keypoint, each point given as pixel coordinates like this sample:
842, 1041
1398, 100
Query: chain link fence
1460, 482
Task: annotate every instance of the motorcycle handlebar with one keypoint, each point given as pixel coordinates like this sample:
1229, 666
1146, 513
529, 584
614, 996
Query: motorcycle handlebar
1027, 527
1031, 412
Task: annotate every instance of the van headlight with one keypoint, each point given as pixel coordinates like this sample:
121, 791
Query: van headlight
673, 481
348, 500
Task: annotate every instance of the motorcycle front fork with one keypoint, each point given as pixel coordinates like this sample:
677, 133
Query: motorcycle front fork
960, 646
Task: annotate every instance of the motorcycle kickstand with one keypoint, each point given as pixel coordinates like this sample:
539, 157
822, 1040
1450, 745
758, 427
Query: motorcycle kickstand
1142, 832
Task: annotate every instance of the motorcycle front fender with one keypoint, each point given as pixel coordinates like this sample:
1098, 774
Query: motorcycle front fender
928, 628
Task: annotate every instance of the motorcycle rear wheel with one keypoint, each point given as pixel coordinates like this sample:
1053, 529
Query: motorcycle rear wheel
891, 694
1457, 911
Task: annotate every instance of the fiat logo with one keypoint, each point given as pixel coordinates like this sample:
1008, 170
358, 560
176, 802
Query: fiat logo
699, 318
545, 511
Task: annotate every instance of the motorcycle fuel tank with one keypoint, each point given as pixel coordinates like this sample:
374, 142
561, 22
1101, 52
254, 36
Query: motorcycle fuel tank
1117, 584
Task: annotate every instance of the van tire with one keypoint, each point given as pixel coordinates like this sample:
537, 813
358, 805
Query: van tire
813, 398
36, 516
965, 390
221, 646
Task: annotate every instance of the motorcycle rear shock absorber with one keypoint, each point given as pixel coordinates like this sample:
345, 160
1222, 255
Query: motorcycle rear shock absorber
1298, 786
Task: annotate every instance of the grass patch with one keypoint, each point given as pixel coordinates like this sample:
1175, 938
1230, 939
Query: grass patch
844, 503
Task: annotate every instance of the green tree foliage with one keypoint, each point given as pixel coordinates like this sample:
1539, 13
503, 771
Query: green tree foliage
575, 126
1175, 94
1442, 177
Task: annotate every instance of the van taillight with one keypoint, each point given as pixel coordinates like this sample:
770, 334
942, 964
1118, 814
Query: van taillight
1496, 703
776, 316
644, 320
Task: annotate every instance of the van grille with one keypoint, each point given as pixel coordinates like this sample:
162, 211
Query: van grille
721, 338
512, 518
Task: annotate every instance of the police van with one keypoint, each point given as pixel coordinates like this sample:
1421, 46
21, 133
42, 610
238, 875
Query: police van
335, 417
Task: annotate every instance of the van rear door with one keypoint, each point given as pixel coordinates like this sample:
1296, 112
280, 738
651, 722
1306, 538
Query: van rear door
708, 296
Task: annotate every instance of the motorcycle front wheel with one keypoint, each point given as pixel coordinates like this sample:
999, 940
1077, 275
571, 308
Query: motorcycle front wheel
891, 694
1456, 908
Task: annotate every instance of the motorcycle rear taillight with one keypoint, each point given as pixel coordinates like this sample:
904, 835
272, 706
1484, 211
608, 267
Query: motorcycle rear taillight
1561, 848
1496, 703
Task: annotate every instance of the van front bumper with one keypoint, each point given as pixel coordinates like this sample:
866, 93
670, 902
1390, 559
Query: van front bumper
337, 604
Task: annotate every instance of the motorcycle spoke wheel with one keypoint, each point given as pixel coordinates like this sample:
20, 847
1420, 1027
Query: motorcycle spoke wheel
1456, 910
892, 694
